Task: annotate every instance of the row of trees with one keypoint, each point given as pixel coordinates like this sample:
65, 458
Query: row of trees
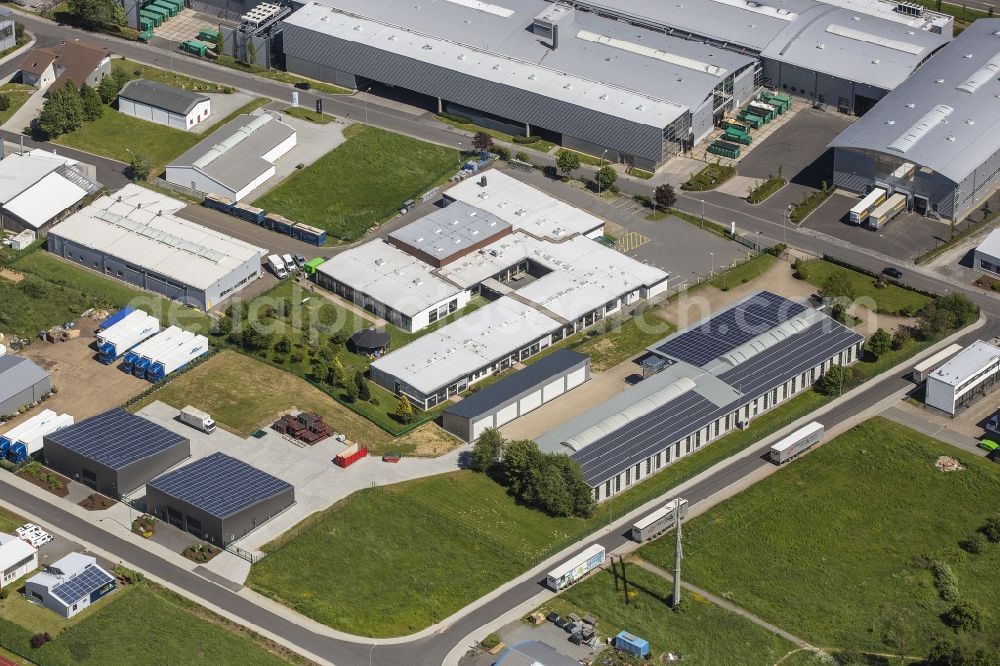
550, 482
68, 107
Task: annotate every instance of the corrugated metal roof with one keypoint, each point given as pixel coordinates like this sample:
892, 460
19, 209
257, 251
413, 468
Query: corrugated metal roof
538, 373
912, 119
17, 374
162, 96
47, 198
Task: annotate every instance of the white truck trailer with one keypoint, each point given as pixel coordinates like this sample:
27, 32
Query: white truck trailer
864, 208
177, 358
659, 521
197, 419
125, 335
150, 346
30, 442
928, 365
796, 443
146, 361
576, 567
14, 433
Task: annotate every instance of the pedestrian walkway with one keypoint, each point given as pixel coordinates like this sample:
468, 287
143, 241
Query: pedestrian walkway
723, 603
29, 111
911, 417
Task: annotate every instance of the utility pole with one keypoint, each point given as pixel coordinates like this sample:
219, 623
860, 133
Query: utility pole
675, 600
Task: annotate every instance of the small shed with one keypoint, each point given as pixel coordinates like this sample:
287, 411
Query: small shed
163, 104
370, 341
516, 395
632, 644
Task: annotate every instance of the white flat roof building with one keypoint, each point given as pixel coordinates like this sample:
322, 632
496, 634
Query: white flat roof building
37, 187
135, 235
986, 257
17, 558
969, 373
479, 341
525, 208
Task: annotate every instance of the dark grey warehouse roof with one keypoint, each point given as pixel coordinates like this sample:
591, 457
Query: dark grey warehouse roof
220, 485
718, 365
162, 96
945, 117
16, 374
116, 439
486, 400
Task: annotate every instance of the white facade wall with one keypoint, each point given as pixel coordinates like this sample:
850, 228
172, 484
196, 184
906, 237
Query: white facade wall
236, 280
160, 116
18, 571
422, 318
720, 427
254, 184
278, 151
42, 595
947, 396
940, 395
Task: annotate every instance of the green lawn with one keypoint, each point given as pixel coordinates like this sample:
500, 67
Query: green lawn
887, 300
836, 541
284, 77
114, 134
56, 291
745, 272
361, 182
309, 114
541, 145
140, 625
9, 521
136, 70
700, 632
18, 94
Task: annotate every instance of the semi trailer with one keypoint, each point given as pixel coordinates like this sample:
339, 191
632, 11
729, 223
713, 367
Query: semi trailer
30, 442
150, 346
179, 339
113, 342
575, 568
12, 435
659, 521
792, 446
177, 358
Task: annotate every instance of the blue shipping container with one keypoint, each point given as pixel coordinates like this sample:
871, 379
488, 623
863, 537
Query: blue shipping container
626, 642
279, 223
304, 232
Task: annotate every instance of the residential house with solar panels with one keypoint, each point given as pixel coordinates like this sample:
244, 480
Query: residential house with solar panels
720, 375
936, 137
115, 452
69, 585
218, 498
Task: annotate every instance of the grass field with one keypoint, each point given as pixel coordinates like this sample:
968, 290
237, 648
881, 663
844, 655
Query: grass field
18, 94
309, 114
56, 291
744, 272
361, 182
139, 625
284, 77
541, 145
9, 521
889, 299
836, 541
114, 134
700, 632
136, 70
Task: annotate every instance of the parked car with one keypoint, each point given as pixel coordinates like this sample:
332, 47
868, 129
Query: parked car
894, 273
303, 85
289, 263
300, 260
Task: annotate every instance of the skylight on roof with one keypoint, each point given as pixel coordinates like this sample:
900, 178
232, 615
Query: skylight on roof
496, 10
650, 52
919, 129
981, 75
878, 40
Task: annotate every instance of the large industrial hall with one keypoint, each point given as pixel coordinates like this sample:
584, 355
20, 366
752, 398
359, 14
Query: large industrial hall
720, 374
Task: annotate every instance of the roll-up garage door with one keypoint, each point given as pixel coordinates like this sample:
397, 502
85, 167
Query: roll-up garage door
530, 402
575, 378
479, 425
553, 389
507, 414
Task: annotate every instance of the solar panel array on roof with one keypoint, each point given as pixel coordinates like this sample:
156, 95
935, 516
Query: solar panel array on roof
82, 585
116, 438
730, 329
219, 485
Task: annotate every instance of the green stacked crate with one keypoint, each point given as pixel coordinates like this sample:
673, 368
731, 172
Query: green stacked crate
194, 46
155, 19
208, 35
169, 8
754, 121
736, 136
158, 12
724, 149
145, 35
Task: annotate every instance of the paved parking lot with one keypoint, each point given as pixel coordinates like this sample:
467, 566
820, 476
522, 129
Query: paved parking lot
518, 632
249, 232
905, 237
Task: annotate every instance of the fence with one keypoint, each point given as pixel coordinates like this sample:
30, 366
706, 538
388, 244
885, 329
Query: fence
245, 554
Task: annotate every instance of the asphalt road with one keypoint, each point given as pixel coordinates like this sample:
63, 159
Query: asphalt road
432, 650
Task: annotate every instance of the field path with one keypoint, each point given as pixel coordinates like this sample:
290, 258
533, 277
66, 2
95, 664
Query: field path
728, 605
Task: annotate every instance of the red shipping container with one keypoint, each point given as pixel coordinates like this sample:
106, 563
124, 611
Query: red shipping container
350, 455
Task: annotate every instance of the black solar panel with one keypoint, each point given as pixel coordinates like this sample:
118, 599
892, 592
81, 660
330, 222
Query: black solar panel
81, 585
219, 485
731, 328
652, 432
116, 438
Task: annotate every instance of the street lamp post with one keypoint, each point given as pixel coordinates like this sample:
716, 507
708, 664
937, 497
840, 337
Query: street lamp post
370, 652
712, 255
702, 213
365, 100
787, 213
598, 179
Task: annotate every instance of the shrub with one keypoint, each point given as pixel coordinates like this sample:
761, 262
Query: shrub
976, 543
500, 151
491, 641
709, 178
526, 140
765, 190
945, 581
461, 120
777, 250
4, 102
991, 530
964, 616
38, 640
522, 156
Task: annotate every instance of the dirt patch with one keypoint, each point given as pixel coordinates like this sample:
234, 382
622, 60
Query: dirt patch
85, 387
872, 321
200, 554
45, 478
97, 502
428, 441
11, 275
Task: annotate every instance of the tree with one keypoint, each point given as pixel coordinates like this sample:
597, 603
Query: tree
568, 162
338, 372
976, 543
482, 141
664, 196
364, 393
18, 32
140, 167
404, 410
90, 100
108, 89
836, 380
220, 43
251, 52
897, 630
283, 345
880, 343
837, 285
96, 13
488, 450
520, 457
992, 529
4, 101
606, 177
839, 313
351, 392
62, 111
900, 338
964, 616
580, 494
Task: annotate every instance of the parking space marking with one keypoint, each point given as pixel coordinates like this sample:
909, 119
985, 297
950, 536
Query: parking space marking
630, 241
